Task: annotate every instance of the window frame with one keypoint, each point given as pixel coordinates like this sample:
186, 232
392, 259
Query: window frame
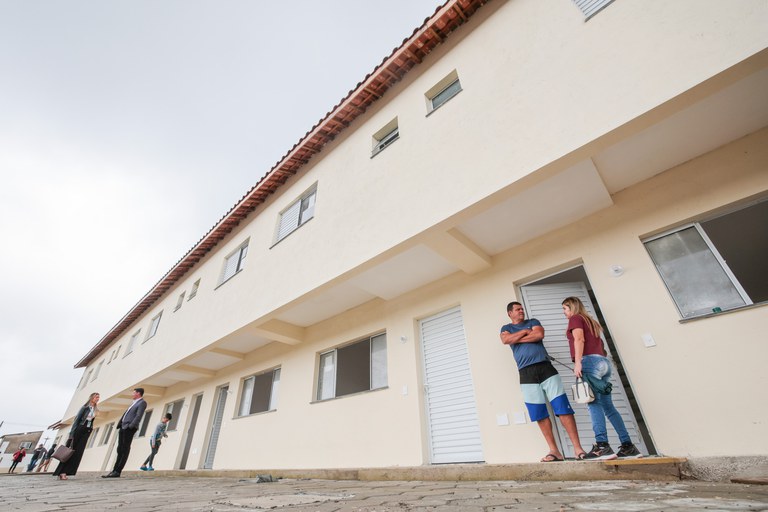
272, 400
180, 301
385, 137
107, 433
590, 8
175, 409
240, 253
97, 370
144, 423
287, 214
194, 290
132, 343
441, 87
333, 354
679, 289
154, 325
92, 439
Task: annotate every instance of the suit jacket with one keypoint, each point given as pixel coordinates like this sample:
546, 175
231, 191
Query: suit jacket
132, 417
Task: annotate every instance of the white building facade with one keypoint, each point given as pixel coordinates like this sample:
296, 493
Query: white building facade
346, 312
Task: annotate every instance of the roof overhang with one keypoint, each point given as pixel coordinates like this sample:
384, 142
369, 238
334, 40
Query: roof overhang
392, 69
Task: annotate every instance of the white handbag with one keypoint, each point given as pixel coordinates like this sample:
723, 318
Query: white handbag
582, 392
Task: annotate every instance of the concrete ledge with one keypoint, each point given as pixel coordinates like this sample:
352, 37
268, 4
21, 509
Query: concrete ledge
648, 469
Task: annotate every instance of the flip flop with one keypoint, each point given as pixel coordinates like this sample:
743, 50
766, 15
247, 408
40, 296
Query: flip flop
551, 457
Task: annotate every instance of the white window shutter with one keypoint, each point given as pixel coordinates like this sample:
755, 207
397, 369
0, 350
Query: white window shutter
230, 267
591, 7
289, 220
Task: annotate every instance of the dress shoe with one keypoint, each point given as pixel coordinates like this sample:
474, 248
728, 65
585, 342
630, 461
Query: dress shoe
111, 475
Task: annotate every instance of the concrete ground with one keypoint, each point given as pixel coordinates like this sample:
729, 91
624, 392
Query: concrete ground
162, 491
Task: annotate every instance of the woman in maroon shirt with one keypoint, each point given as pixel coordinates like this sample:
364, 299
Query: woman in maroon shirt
589, 358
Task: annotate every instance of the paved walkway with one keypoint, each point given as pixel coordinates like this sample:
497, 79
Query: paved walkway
152, 492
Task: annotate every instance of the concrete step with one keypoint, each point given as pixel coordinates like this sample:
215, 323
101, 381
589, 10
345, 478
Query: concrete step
647, 468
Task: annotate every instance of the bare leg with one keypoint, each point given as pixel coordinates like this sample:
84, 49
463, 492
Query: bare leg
545, 426
569, 423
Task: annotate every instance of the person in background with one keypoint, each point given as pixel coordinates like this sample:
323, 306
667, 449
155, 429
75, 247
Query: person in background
17, 457
590, 361
78, 437
539, 380
37, 455
43, 466
156, 440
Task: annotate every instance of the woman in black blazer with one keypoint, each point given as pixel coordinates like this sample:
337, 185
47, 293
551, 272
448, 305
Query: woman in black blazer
78, 437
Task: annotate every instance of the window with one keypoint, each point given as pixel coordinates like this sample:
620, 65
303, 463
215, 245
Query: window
234, 262
180, 301
145, 423
591, 7
175, 409
107, 433
153, 325
132, 342
361, 366
297, 214
98, 369
114, 355
386, 136
82, 380
87, 378
193, 291
92, 439
259, 393
26, 444
443, 91
717, 264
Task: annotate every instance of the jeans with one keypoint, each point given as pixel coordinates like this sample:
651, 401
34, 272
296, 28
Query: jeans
602, 407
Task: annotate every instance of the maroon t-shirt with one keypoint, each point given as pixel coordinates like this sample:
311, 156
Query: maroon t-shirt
592, 344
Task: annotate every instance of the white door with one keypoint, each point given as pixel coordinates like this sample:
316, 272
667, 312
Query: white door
454, 429
544, 302
218, 416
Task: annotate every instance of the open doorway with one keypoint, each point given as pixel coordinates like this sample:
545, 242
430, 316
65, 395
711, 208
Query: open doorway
543, 300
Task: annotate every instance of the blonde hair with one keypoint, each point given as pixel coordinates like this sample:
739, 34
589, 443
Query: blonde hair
577, 308
95, 407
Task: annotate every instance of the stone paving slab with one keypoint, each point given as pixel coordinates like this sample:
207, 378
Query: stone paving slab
141, 493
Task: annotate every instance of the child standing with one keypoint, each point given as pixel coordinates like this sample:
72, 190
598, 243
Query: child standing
155, 441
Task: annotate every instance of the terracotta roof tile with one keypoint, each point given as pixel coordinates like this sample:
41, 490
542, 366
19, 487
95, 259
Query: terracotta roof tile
391, 70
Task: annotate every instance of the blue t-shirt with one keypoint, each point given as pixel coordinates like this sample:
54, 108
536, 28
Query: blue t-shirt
526, 354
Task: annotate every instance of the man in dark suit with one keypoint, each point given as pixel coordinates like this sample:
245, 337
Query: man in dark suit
126, 428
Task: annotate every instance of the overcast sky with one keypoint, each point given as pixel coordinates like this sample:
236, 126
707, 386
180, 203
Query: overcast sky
127, 130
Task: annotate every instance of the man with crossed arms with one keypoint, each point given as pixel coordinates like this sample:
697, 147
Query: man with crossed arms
127, 427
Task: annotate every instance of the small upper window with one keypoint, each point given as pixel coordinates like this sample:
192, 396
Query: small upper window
591, 7
259, 393
153, 325
386, 136
717, 264
193, 291
443, 91
180, 301
98, 369
132, 342
361, 366
234, 262
299, 212
87, 378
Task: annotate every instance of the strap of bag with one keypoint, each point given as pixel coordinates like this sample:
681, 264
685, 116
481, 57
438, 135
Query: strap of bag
559, 362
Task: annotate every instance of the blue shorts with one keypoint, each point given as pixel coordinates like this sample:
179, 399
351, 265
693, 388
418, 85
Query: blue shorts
541, 383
